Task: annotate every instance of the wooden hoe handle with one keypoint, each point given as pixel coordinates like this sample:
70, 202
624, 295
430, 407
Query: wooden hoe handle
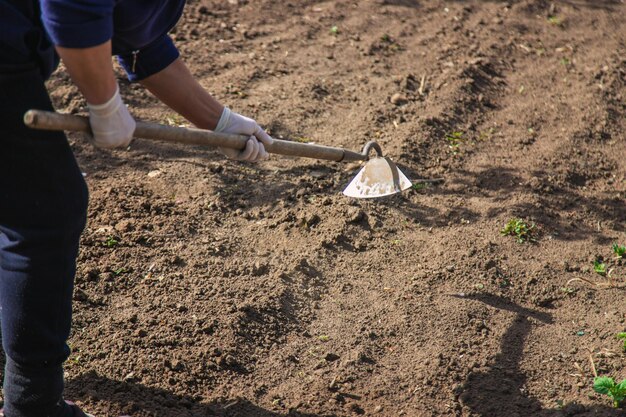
45, 120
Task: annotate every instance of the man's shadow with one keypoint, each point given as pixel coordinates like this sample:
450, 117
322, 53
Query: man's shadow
134, 399
498, 391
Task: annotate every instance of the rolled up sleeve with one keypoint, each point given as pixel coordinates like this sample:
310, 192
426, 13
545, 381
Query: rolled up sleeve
78, 24
149, 60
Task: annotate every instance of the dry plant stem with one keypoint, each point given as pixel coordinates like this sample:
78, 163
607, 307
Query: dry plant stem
593, 365
422, 85
227, 406
596, 285
580, 369
583, 280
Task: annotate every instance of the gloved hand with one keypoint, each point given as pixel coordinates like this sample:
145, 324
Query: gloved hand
231, 122
111, 123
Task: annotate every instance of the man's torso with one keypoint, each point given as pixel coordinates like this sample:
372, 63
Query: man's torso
24, 44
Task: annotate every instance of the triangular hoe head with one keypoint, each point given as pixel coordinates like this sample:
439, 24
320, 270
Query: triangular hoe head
378, 178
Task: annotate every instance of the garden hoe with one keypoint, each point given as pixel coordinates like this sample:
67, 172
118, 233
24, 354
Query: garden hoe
378, 178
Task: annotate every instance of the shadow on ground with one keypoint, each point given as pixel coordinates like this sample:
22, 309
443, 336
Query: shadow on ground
138, 400
555, 205
593, 4
495, 392
498, 392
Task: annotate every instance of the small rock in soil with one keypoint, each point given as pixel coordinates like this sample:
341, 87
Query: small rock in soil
260, 269
355, 215
398, 99
80, 295
409, 83
125, 225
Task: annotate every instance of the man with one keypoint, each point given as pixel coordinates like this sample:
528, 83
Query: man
43, 197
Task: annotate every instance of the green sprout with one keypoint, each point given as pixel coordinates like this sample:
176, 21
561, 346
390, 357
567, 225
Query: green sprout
486, 134
599, 267
622, 336
111, 242
455, 139
619, 250
119, 271
522, 231
418, 186
606, 385
334, 30
555, 20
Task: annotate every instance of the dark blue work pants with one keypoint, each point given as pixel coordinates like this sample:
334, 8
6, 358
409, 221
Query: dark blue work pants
43, 204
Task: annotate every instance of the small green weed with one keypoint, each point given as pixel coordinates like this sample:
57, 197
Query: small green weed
599, 267
111, 242
334, 30
324, 338
555, 20
455, 139
386, 45
73, 360
119, 271
622, 337
485, 135
418, 186
504, 282
619, 250
522, 231
606, 385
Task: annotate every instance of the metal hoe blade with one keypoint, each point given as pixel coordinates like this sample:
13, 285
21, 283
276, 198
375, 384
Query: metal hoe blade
378, 178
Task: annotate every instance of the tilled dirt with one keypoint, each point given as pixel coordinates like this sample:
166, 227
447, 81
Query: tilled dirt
209, 287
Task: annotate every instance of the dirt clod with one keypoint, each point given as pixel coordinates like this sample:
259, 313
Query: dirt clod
398, 99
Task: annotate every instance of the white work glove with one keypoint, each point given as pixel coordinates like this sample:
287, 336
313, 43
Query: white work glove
234, 123
112, 125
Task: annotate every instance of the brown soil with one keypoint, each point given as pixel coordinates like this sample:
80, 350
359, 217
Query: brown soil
259, 290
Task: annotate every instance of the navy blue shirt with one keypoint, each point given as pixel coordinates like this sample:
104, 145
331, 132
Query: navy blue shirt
24, 46
137, 28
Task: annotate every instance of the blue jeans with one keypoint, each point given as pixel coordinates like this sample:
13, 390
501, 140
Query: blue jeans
43, 205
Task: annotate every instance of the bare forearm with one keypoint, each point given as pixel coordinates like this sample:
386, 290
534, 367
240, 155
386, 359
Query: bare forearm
178, 89
91, 70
